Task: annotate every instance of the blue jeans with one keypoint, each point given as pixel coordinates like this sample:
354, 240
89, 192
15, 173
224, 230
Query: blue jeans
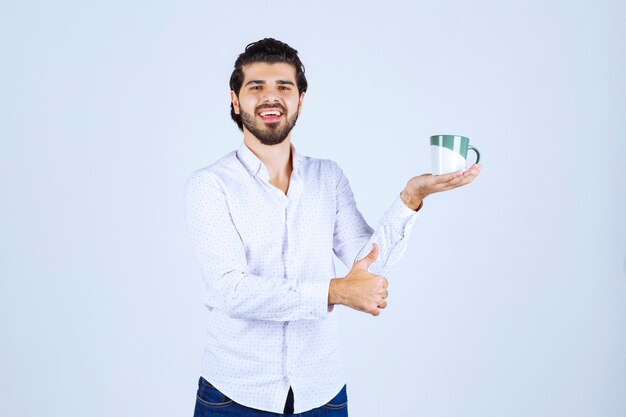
211, 402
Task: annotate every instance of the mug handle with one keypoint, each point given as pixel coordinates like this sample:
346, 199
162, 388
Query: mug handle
471, 148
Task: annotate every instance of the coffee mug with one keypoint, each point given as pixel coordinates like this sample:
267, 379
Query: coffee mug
449, 153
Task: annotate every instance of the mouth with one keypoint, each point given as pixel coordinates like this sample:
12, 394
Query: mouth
270, 115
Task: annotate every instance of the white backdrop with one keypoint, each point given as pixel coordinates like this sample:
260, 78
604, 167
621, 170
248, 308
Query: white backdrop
510, 300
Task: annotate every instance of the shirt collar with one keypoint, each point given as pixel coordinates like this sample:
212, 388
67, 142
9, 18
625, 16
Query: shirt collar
256, 167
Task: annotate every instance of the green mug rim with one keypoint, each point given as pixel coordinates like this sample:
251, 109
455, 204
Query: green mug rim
450, 141
450, 136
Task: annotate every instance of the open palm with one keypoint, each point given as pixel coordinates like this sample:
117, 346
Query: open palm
423, 185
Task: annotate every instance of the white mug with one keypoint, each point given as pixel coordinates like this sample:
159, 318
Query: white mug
449, 153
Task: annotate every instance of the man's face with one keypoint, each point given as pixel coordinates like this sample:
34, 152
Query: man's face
268, 102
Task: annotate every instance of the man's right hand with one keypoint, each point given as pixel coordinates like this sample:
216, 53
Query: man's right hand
360, 289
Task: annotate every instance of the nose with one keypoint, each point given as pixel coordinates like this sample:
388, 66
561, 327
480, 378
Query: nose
270, 95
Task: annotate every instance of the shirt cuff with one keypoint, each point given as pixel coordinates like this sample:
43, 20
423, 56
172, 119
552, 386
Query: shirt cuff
399, 215
314, 299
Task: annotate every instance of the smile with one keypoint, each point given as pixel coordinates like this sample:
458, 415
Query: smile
270, 115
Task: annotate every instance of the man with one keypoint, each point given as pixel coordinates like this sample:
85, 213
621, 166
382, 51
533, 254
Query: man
264, 222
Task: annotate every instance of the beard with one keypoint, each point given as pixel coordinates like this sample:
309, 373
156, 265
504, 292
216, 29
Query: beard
268, 133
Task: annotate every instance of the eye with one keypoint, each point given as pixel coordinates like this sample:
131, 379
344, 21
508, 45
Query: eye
255, 87
284, 87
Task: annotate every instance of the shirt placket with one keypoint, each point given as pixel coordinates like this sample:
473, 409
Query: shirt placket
287, 203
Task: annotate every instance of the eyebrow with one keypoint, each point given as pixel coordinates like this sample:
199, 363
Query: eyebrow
281, 82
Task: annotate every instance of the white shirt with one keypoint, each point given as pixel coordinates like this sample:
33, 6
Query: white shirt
267, 261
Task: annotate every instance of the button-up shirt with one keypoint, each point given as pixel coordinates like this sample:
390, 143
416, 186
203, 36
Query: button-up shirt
267, 260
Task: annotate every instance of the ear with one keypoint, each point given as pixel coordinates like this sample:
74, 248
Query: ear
300, 102
235, 101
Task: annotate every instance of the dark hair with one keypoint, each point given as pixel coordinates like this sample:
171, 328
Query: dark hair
267, 50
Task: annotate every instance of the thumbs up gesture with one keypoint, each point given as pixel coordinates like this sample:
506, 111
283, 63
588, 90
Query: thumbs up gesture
360, 289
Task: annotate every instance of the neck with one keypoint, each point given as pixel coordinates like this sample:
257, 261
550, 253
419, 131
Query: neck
276, 158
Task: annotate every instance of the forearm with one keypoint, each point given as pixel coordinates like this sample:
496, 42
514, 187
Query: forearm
391, 235
221, 254
247, 296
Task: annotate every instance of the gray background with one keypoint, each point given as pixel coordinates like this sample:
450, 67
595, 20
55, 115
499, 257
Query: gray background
510, 298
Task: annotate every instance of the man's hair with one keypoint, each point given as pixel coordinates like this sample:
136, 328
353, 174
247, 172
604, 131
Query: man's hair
270, 51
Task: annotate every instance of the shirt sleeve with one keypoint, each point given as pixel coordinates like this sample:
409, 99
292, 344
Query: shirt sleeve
353, 237
221, 254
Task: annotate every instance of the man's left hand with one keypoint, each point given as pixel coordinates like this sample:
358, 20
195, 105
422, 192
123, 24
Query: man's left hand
420, 187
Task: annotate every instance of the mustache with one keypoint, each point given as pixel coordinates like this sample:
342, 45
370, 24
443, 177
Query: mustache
271, 106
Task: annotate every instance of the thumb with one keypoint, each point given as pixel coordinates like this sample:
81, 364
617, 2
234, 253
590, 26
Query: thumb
369, 259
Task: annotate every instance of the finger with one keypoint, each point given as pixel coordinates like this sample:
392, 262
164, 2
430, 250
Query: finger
453, 186
470, 178
382, 304
376, 312
472, 171
440, 179
370, 258
461, 180
385, 294
382, 281
467, 177
451, 183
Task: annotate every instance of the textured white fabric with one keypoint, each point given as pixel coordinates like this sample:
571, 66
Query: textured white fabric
267, 261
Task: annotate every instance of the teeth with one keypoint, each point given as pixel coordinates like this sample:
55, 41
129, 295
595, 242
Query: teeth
270, 113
